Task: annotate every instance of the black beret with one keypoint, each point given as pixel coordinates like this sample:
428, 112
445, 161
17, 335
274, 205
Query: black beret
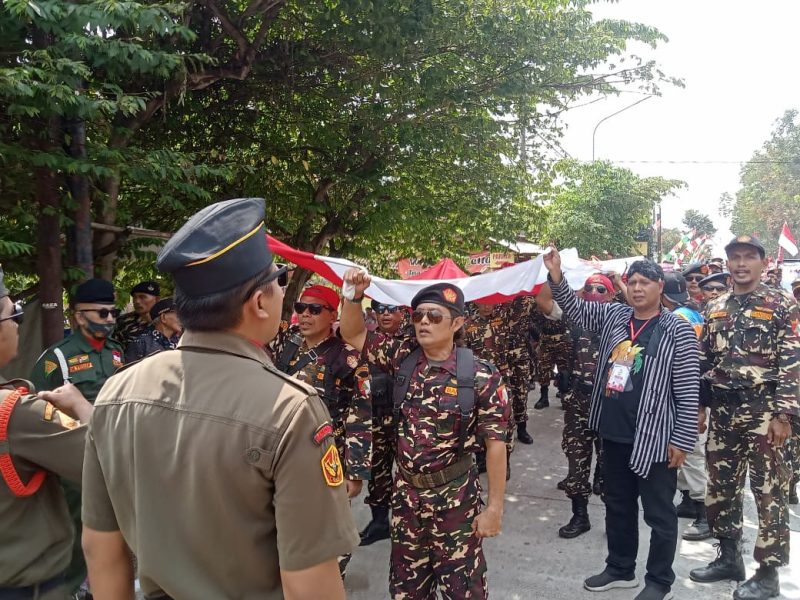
220, 247
162, 306
695, 268
718, 277
3, 288
95, 291
444, 294
375, 304
746, 240
147, 287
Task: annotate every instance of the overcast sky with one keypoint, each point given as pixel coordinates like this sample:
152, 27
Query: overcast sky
739, 62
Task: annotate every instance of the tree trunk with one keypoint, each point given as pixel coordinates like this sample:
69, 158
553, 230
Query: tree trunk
79, 188
108, 216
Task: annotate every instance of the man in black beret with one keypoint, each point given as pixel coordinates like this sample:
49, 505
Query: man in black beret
163, 332
714, 286
215, 420
693, 274
130, 326
86, 358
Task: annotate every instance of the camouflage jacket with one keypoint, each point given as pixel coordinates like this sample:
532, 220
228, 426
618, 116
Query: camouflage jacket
584, 353
490, 338
556, 331
430, 421
751, 340
350, 401
518, 314
129, 327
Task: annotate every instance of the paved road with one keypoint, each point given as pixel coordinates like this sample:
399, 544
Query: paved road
529, 561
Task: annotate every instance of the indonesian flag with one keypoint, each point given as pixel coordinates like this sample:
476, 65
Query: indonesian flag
521, 279
786, 240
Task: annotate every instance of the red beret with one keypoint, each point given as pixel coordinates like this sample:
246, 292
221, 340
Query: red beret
324, 293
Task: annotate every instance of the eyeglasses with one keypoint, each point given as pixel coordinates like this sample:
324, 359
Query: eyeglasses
714, 288
600, 289
16, 316
384, 308
313, 308
695, 278
434, 315
102, 312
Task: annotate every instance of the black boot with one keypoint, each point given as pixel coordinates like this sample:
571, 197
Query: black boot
793, 492
728, 564
579, 523
699, 529
686, 509
562, 485
522, 433
543, 401
762, 585
378, 528
508, 464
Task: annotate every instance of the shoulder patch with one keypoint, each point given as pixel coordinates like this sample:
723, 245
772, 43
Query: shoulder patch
51, 413
323, 431
49, 367
332, 467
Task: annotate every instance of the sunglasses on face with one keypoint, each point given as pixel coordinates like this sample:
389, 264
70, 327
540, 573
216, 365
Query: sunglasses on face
434, 315
102, 312
313, 308
600, 289
694, 278
16, 316
714, 288
384, 308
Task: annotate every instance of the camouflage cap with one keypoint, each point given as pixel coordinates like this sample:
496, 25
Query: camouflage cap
746, 240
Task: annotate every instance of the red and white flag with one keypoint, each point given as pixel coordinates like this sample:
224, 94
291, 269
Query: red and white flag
786, 240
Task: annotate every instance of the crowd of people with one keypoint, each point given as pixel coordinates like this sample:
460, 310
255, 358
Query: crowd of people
205, 448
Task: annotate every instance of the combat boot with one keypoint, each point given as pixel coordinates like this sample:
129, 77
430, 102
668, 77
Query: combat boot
508, 464
762, 585
579, 523
699, 529
793, 492
543, 401
728, 564
686, 508
562, 485
522, 433
378, 528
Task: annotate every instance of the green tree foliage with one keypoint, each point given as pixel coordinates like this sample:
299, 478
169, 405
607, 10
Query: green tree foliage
600, 208
770, 186
701, 223
669, 237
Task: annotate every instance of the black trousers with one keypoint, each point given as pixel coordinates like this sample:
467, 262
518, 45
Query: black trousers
623, 489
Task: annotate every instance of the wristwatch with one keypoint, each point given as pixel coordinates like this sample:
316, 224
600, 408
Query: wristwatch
358, 300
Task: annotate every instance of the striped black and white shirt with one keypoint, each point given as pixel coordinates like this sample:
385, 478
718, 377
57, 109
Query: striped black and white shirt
671, 378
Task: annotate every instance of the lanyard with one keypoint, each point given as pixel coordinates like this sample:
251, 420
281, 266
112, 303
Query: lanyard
636, 334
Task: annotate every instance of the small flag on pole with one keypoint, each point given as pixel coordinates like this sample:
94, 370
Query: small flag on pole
786, 240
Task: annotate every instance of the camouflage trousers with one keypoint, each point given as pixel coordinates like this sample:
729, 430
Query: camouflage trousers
519, 377
553, 352
578, 441
737, 441
433, 546
379, 486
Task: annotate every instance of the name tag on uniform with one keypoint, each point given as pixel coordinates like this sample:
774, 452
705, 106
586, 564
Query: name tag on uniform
618, 378
81, 367
762, 315
450, 391
720, 314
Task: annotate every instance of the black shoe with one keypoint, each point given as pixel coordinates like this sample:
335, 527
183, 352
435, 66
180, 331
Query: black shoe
793, 492
762, 585
543, 401
597, 488
652, 592
686, 509
699, 529
562, 485
579, 523
522, 433
728, 564
378, 528
605, 581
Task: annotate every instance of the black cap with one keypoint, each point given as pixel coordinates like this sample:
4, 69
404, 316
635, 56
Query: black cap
718, 277
675, 288
696, 268
162, 306
746, 240
219, 248
94, 291
147, 287
445, 294
3, 288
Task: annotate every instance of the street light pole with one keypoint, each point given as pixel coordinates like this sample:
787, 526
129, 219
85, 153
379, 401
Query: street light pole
604, 119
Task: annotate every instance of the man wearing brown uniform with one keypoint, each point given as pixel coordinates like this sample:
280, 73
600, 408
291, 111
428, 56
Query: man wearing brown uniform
216, 423
38, 444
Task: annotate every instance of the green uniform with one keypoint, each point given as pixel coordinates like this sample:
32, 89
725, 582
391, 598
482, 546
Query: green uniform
129, 327
36, 536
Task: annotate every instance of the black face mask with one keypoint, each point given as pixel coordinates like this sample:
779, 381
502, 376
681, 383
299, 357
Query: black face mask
103, 329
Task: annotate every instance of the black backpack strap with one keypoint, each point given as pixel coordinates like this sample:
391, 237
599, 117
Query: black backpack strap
288, 352
465, 378
403, 379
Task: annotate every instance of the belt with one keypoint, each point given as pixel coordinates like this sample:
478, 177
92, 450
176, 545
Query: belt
29, 591
441, 477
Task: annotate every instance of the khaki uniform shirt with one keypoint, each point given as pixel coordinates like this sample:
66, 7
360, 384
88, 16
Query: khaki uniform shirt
87, 368
36, 532
217, 469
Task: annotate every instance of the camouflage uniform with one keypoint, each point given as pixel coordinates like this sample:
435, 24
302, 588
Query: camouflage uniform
578, 438
554, 346
432, 541
518, 314
129, 327
751, 358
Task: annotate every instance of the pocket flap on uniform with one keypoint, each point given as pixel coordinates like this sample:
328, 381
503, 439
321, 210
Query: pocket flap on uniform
258, 457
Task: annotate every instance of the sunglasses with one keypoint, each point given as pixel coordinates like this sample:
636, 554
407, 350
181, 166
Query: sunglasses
600, 289
434, 315
694, 278
384, 308
313, 307
103, 312
714, 288
16, 316
280, 273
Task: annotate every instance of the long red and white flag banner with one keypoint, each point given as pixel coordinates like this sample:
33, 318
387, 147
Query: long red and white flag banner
521, 279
